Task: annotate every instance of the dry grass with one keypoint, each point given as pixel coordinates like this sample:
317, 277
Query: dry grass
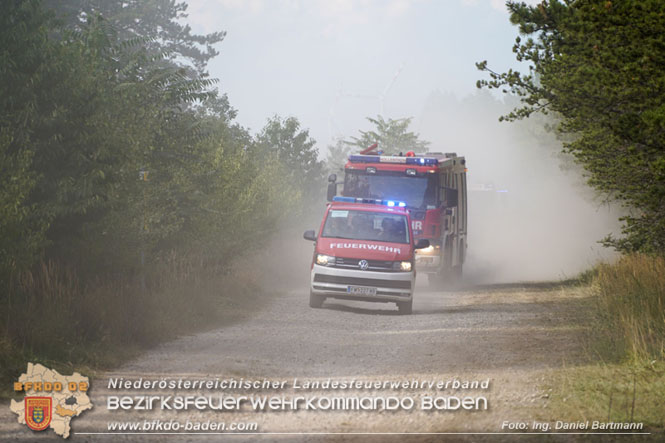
614, 392
631, 307
54, 317
627, 384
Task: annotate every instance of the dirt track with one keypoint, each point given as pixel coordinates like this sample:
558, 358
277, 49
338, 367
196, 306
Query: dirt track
511, 334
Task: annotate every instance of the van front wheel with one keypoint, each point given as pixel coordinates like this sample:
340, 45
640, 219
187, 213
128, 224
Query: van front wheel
315, 301
405, 307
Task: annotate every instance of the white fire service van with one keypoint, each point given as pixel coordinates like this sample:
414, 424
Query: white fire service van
364, 251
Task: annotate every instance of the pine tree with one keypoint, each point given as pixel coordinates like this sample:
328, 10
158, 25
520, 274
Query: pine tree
600, 66
392, 136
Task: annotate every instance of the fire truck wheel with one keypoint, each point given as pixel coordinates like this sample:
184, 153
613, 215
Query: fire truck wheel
316, 301
435, 281
405, 307
449, 279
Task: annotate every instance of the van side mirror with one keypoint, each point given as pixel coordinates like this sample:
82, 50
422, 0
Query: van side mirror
451, 197
332, 191
310, 235
422, 243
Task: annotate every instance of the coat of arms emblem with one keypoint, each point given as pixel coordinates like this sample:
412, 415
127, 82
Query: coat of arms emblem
38, 412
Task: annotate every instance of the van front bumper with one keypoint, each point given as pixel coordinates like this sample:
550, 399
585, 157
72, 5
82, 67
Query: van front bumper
335, 282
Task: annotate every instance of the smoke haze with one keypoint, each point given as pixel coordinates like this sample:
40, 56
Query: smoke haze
531, 217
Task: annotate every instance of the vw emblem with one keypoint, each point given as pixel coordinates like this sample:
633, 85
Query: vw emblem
363, 265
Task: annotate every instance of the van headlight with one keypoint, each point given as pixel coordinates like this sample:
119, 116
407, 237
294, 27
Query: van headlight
405, 266
325, 260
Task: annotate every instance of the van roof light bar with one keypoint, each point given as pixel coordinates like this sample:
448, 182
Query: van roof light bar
371, 201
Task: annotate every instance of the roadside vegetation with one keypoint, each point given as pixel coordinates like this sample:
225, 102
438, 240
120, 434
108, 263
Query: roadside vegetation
596, 67
128, 193
630, 296
626, 380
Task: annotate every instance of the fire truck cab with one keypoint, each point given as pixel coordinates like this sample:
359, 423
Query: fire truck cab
365, 250
433, 187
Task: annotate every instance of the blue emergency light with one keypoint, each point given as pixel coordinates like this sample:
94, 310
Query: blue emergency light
344, 199
420, 161
372, 201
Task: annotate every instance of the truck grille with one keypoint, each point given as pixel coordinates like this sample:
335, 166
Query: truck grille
375, 282
374, 265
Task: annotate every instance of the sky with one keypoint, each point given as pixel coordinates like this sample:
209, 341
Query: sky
331, 63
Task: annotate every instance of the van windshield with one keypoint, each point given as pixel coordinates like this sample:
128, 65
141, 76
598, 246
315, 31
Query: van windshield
366, 225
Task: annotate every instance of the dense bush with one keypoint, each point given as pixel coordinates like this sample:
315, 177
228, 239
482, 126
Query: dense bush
120, 167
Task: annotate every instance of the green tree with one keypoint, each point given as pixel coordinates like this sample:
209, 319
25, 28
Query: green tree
21, 234
24, 65
297, 151
104, 156
598, 65
337, 156
82, 113
393, 136
157, 22
111, 149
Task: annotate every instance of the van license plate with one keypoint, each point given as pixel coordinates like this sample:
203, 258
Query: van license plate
361, 290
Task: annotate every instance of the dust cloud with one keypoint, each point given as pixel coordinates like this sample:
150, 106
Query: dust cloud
283, 263
531, 216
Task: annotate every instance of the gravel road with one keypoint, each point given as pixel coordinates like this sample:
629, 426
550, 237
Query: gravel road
511, 335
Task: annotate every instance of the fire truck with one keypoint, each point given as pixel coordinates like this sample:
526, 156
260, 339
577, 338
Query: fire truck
433, 186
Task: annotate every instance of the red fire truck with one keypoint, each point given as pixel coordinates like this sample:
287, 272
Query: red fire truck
433, 186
